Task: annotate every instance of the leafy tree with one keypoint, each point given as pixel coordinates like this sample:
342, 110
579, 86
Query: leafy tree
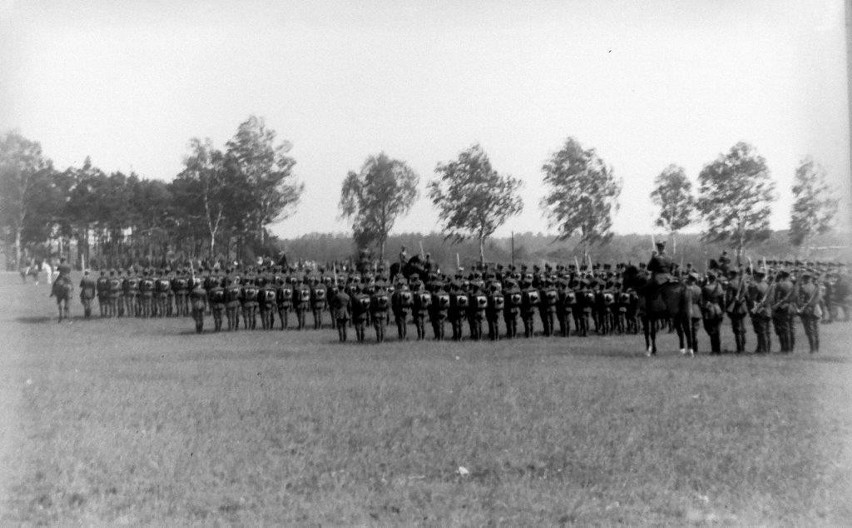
472, 198
735, 196
582, 196
814, 208
673, 195
266, 172
381, 192
23, 174
205, 190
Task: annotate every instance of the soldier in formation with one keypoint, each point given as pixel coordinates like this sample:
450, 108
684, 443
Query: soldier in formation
546, 300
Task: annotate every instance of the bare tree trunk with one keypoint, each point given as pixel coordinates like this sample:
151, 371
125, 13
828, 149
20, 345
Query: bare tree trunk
481, 251
17, 247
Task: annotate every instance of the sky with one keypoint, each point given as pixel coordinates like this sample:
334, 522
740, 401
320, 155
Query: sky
646, 83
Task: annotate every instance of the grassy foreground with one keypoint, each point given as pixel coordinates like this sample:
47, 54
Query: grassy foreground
144, 422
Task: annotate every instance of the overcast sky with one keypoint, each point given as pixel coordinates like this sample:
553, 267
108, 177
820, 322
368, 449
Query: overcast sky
646, 83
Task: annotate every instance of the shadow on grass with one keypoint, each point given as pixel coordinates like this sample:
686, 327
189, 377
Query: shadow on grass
42, 319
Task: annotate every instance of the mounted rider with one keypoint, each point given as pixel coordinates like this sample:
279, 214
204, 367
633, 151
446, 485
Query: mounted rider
660, 266
63, 271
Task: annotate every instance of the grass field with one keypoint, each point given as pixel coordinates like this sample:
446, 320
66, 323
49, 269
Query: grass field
125, 422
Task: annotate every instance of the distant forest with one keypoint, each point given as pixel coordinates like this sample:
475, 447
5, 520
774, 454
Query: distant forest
539, 248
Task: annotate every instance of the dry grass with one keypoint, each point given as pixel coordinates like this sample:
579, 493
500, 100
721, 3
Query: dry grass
127, 422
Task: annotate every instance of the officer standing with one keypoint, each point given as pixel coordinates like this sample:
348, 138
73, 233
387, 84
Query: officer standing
496, 306
301, 302
440, 309
233, 293
422, 303
216, 300
782, 310
713, 296
530, 299
360, 310
758, 297
807, 301
103, 293
318, 301
693, 293
379, 305
512, 298
549, 299
565, 306
198, 301
341, 306
401, 301
88, 289
250, 303
735, 306
284, 299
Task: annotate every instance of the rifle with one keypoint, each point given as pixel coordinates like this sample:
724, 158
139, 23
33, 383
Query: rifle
758, 306
738, 297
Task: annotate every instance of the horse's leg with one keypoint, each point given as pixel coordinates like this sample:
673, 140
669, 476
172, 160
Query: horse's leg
647, 326
687, 330
678, 326
654, 337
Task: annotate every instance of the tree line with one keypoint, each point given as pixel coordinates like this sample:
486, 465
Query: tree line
221, 204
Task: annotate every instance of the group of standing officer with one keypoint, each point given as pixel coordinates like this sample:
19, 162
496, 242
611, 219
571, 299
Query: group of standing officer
770, 297
487, 302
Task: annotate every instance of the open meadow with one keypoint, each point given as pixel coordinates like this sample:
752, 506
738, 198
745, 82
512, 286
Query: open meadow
127, 421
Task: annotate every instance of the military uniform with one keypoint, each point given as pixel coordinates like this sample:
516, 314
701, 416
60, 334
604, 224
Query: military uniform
476, 311
401, 302
735, 307
758, 306
198, 301
565, 307
233, 294
102, 286
422, 304
694, 303
713, 295
284, 299
807, 301
113, 295
216, 300
319, 300
379, 306
360, 312
88, 290
130, 285
341, 310
146, 295
549, 299
301, 302
268, 298
250, 303
440, 309
530, 300
782, 311
512, 298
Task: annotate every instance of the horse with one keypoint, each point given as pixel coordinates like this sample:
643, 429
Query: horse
414, 266
658, 303
62, 289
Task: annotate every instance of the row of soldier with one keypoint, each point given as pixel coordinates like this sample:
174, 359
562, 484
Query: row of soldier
592, 299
